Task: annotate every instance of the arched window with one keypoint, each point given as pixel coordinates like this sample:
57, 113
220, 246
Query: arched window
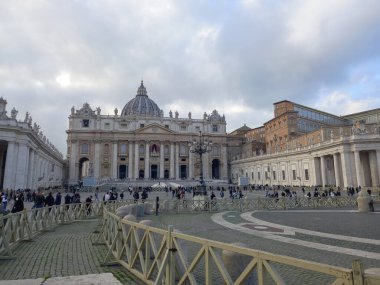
141, 149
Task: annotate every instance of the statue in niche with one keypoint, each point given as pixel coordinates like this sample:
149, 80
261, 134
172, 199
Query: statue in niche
98, 110
189, 115
331, 134
359, 128
26, 117
161, 113
170, 114
115, 111
72, 110
14, 113
376, 129
205, 116
176, 114
30, 121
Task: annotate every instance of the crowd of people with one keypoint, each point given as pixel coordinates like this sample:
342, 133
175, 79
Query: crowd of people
13, 201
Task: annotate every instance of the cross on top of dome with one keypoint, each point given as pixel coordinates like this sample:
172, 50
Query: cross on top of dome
142, 90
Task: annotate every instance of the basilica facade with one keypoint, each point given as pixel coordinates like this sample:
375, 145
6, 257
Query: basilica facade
141, 143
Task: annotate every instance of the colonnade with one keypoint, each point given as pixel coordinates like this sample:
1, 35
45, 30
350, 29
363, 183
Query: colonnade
348, 168
344, 168
29, 167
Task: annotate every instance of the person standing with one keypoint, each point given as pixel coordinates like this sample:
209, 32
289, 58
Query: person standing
67, 200
88, 205
18, 205
58, 198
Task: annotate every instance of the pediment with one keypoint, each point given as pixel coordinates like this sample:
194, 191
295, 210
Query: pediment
154, 129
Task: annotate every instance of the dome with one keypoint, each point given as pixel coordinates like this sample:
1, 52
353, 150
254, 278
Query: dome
141, 105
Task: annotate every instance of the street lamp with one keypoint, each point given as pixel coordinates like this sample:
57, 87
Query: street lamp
200, 147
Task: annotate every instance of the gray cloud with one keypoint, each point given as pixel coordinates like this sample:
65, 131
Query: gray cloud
236, 56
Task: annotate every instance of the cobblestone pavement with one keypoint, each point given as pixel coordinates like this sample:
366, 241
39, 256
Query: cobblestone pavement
65, 251
341, 223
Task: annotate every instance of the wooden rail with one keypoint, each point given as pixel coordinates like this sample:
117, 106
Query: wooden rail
160, 256
156, 255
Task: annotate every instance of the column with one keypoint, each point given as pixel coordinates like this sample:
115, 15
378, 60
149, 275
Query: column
346, 169
358, 168
147, 154
31, 170
225, 163
130, 160
378, 165
176, 161
191, 165
205, 158
336, 170
9, 166
96, 163
73, 175
373, 168
114, 161
21, 167
323, 170
137, 158
172, 174
288, 173
162, 157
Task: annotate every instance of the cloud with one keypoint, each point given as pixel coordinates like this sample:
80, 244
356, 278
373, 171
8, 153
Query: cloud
238, 57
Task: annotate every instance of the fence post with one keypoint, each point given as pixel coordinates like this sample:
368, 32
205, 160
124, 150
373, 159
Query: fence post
170, 273
358, 272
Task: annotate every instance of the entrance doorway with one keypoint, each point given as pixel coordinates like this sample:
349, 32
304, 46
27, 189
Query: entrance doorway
122, 171
84, 168
153, 171
183, 171
141, 174
166, 174
216, 169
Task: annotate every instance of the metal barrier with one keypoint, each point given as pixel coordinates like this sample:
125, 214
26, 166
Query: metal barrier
159, 256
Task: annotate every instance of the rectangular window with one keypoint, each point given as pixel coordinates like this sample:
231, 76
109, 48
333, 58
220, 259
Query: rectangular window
294, 174
283, 175
183, 128
123, 148
306, 174
142, 125
274, 175
107, 125
85, 123
167, 126
141, 159
258, 176
84, 148
214, 128
141, 149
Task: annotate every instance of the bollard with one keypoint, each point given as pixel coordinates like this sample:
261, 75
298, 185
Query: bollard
364, 201
157, 204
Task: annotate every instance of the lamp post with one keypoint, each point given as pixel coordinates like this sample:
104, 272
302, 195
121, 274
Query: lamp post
200, 147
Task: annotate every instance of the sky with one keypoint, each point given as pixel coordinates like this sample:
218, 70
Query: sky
238, 57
